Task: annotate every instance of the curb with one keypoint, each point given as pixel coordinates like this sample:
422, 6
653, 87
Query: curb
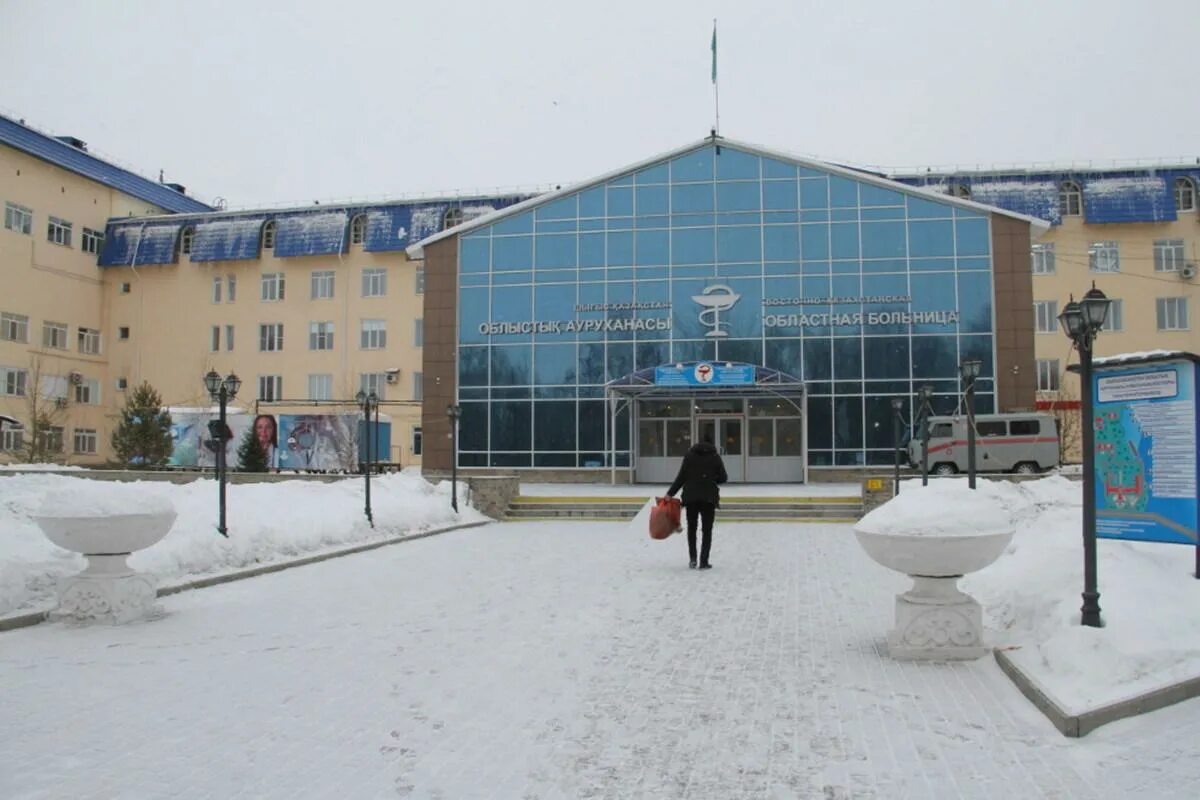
1079, 725
36, 617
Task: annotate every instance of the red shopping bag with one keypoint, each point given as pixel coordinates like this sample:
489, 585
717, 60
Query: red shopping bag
664, 518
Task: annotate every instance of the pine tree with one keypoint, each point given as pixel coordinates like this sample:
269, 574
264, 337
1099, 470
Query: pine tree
251, 456
143, 436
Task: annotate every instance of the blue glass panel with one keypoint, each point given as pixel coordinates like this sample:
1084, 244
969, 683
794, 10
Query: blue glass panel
979, 347
620, 223
844, 237
659, 173
744, 320
693, 350
782, 268
553, 303
820, 215
745, 351
972, 237
625, 274
740, 270
785, 355
706, 220
511, 426
512, 365
652, 273
563, 208
620, 249
780, 217
694, 166
653, 247
820, 425
868, 214
554, 364
973, 264
692, 246
556, 251
478, 279
474, 394
975, 302
475, 255
814, 242
511, 393
620, 201
814, 193
883, 239
739, 218
1132, 198
473, 426
921, 208
508, 459
781, 243
871, 195
734, 164
652, 354
885, 265
931, 264
554, 426
933, 293
591, 202
511, 278
886, 356
472, 312
652, 200
556, 276
847, 359
740, 196
739, 244
228, 239
591, 364
520, 223
512, 303
509, 252
843, 215
619, 361
692, 197
598, 224
847, 423
933, 238
782, 195
843, 193
591, 250
593, 419
772, 168
655, 222
558, 226
818, 364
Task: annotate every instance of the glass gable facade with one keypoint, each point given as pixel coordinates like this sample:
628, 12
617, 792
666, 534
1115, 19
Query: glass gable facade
863, 291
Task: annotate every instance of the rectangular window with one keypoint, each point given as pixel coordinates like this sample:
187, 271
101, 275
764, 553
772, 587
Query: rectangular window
374, 282
18, 218
1047, 374
54, 334
228, 338
374, 382
14, 327
58, 231
270, 337
1168, 255
92, 241
55, 387
215, 343
1115, 321
89, 341
54, 438
420, 283
217, 283
270, 387
85, 440
122, 384
231, 283
374, 334
126, 288
123, 332
1104, 257
418, 386
1045, 313
419, 332
320, 336
322, 284
13, 381
416, 442
1043, 259
320, 387
12, 438
1172, 313
87, 392
272, 286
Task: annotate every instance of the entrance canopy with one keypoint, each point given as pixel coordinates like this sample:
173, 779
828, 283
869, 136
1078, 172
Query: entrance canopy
679, 379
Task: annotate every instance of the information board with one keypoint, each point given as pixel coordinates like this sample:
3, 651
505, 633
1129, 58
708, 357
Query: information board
705, 373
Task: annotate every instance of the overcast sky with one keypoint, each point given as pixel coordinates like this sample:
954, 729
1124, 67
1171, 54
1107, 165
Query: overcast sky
274, 102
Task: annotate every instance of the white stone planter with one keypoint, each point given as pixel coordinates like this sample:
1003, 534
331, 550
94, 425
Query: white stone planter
934, 620
107, 590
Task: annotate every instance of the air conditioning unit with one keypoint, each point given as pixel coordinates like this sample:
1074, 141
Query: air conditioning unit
1187, 272
76, 378
60, 402
393, 376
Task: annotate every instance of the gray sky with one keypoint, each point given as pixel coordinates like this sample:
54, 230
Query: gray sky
270, 102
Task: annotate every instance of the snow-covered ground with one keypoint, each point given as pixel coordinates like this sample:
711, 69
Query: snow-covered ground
539, 660
268, 522
648, 490
42, 467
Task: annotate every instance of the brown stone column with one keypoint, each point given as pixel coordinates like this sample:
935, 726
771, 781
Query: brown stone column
439, 361
1016, 371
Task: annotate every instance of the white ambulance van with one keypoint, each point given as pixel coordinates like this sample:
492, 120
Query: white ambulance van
1021, 443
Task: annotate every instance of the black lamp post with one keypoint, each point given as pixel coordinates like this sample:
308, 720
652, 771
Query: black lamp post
222, 390
897, 422
454, 412
970, 371
925, 393
367, 402
1081, 322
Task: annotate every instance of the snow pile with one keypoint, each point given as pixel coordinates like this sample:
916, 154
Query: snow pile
40, 467
946, 508
268, 522
103, 498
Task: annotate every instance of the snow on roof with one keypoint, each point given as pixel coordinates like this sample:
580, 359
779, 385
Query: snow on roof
1147, 355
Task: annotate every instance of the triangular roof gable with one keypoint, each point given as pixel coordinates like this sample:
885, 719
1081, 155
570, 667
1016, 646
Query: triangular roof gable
1038, 226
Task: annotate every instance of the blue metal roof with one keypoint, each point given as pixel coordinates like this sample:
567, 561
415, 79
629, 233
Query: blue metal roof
61, 154
141, 243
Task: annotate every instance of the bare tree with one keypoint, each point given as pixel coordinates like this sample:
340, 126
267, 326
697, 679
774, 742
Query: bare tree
47, 410
1064, 405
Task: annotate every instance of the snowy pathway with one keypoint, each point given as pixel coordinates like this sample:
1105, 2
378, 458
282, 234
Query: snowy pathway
540, 661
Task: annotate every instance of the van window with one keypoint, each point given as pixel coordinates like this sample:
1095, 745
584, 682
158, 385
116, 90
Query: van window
1024, 427
993, 428
940, 430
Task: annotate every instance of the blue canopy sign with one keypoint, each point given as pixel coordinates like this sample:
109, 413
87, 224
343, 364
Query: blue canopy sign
704, 373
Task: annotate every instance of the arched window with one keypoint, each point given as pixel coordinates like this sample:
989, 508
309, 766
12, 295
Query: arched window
185, 240
358, 229
960, 190
1070, 199
1185, 194
268, 235
452, 217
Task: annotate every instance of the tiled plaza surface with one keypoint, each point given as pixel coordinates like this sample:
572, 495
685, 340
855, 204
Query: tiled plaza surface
545, 660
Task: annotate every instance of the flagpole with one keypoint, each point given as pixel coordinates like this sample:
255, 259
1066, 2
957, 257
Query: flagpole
716, 86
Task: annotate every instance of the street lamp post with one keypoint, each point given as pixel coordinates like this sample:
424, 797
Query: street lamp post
925, 393
897, 421
1081, 322
970, 371
453, 412
222, 390
367, 402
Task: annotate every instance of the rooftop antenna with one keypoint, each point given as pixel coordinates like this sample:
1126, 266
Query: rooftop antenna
716, 91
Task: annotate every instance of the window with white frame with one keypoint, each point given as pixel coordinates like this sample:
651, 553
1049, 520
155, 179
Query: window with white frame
87, 392
228, 338
54, 334
1168, 255
1047, 375
13, 382
272, 286
418, 333
53, 438
1070, 199
14, 327
453, 216
123, 332
374, 382
374, 282
1115, 320
12, 438
231, 285
55, 387
1043, 259
1185, 194
270, 337
214, 343
270, 387
85, 440
186, 237
320, 336
416, 441
89, 341
373, 334
58, 231
91, 241
418, 386
320, 387
1045, 314
1104, 257
322, 284
217, 284
1172, 313
358, 229
18, 218
420, 280
268, 235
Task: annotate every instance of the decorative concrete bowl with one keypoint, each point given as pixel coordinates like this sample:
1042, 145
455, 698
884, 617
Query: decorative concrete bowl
108, 535
936, 556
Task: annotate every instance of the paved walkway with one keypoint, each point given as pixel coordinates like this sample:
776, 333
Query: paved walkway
544, 661
648, 490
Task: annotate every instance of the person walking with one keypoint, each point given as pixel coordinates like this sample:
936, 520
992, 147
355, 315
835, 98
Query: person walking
699, 476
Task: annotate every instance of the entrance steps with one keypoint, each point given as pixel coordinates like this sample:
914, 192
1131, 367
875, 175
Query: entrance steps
733, 509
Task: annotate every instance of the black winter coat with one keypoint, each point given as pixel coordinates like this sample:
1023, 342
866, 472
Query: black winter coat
701, 471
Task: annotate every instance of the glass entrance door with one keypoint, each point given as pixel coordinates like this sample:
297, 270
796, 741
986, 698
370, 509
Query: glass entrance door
726, 434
